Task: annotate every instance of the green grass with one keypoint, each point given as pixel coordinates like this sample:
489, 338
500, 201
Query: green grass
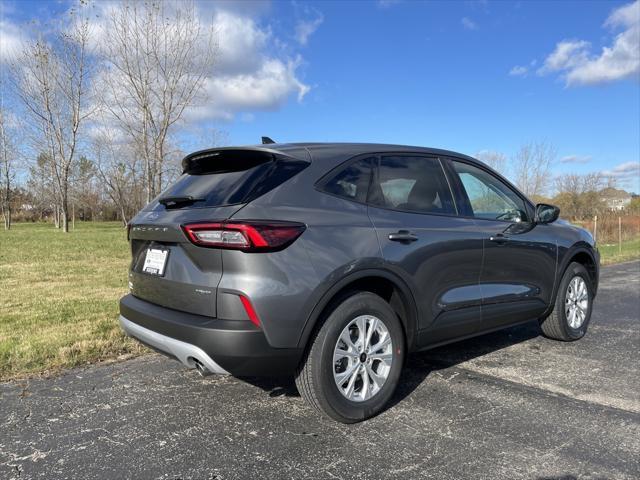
59, 297
611, 253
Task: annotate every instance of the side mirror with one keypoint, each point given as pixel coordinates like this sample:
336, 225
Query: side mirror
546, 213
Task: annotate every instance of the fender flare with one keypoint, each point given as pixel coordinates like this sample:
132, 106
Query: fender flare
410, 323
571, 252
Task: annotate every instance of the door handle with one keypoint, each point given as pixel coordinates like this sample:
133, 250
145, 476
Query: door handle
402, 236
499, 238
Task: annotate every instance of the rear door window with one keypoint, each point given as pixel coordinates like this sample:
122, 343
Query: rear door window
352, 181
412, 184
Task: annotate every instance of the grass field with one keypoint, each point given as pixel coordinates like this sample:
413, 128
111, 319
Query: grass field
610, 253
59, 295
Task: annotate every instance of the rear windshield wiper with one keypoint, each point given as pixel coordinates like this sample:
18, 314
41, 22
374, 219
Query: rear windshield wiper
174, 202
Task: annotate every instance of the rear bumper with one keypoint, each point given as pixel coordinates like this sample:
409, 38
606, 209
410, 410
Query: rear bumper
222, 346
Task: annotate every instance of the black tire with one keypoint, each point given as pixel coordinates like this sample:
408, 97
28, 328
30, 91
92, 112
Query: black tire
315, 377
556, 325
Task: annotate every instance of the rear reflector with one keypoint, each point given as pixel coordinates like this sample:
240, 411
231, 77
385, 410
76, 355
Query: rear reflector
247, 236
251, 313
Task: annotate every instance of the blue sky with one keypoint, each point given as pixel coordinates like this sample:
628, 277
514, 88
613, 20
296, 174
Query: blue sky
465, 76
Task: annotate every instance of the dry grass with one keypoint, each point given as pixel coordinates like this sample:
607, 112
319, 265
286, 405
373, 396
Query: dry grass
59, 297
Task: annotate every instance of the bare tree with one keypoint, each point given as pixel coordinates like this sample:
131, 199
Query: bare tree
496, 160
532, 167
578, 195
157, 56
8, 166
117, 167
52, 80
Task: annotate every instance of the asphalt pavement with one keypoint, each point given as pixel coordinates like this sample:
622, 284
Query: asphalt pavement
508, 405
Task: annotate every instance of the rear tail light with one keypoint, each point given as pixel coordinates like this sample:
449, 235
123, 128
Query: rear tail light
247, 236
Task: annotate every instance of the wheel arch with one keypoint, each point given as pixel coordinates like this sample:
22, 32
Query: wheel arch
386, 284
585, 255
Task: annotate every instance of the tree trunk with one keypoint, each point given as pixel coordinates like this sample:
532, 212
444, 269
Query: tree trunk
6, 214
56, 216
123, 214
64, 212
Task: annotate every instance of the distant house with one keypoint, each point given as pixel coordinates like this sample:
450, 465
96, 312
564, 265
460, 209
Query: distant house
615, 199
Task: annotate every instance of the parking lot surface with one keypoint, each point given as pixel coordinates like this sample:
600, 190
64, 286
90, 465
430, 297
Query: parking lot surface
507, 405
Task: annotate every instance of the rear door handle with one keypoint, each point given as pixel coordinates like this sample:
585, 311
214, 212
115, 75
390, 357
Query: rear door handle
499, 238
402, 236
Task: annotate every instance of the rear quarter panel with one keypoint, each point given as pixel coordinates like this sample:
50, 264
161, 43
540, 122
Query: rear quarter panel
286, 286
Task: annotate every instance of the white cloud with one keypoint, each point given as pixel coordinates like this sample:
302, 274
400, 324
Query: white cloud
576, 63
250, 74
519, 71
578, 159
254, 70
12, 40
468, 23
626, 174
305, 28
268, 88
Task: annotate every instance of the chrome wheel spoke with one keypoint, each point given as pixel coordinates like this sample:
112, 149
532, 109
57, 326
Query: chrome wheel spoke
373, 325
382, 344
378, 380
345, 337
340, 354
361, 323
350, 390
385, 357
366, 384
348, 373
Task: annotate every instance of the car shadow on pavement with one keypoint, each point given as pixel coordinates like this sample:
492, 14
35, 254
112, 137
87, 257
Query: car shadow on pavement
420, 365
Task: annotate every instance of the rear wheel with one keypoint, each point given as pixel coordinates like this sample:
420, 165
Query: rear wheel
354, 361
572, 311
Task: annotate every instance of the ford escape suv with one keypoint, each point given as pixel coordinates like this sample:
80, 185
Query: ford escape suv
332, 262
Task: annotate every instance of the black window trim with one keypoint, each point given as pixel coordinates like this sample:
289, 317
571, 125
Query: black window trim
462, 195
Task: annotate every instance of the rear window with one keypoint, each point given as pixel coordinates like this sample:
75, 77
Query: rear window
217, 181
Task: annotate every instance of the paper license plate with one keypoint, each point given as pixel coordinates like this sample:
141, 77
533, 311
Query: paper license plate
155, 261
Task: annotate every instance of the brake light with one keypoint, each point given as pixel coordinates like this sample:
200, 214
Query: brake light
247, 236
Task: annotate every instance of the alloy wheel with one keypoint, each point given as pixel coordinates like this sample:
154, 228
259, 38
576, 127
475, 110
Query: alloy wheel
576, 302
362, 358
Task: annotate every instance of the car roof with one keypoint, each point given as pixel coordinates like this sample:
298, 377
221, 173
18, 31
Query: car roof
320, 151
332, 154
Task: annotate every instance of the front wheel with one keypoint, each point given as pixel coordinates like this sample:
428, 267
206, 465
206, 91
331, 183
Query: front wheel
572, 311
354, 361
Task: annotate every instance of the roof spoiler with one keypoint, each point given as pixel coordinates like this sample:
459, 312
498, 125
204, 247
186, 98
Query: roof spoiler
231, 158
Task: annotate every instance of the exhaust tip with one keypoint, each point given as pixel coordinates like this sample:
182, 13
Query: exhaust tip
202, 370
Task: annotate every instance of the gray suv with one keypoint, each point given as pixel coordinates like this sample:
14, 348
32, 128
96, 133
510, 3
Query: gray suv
332, 262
